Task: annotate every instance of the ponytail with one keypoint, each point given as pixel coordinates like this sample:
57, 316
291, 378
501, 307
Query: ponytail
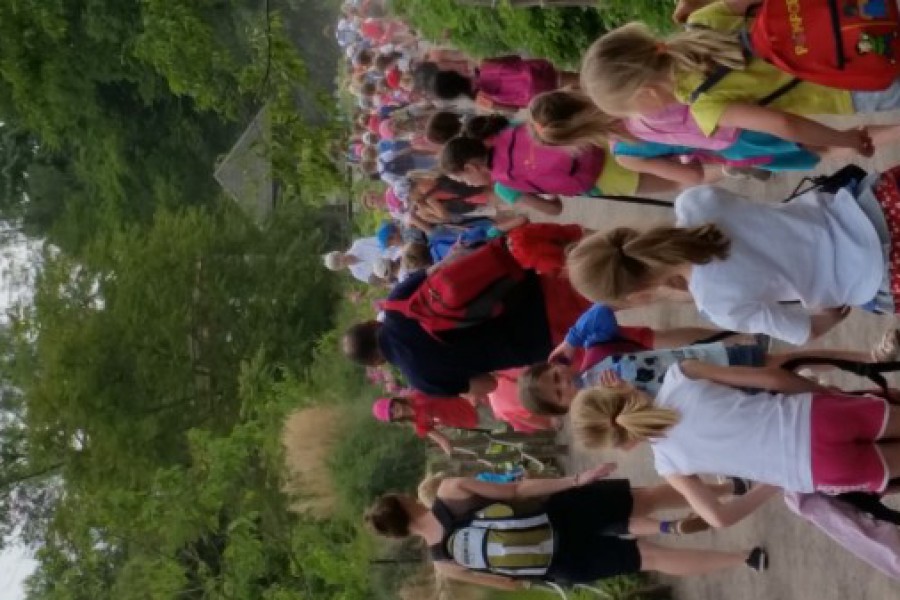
570, 118
612, 265
630, 58
613, 417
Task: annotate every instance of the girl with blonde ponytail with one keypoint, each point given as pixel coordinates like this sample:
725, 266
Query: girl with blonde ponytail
789, 433
787, 270
630, 71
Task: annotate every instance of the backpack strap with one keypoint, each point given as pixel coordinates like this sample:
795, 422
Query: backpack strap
874, 372
399, 306
635, 200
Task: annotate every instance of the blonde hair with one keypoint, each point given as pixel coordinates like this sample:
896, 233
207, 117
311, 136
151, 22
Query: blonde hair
608, 266
333, 260
570, 118
630, 58
612, 417
428, 488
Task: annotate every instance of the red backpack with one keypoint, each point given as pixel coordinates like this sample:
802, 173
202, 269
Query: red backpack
846, 44
843, 44
463, 292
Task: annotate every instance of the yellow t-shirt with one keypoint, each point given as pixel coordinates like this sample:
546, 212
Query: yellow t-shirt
757, 81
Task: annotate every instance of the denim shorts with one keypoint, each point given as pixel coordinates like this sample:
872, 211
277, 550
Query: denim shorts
746, 355
879, 101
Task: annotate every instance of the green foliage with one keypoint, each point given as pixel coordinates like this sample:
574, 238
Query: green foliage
372, 459
560, 35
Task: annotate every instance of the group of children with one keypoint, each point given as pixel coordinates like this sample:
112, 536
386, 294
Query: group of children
647, 114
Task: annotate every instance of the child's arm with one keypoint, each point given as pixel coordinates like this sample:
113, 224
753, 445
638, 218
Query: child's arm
442, 441
482, 385
770, 378
688, 174
710, 508
794, 128
547, 206
595, 326
464, 488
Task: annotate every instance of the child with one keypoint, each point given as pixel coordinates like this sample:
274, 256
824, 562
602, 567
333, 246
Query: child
630, 71
798, 436
496, 150
567, 529
503, 83
426, 413
655, 143
739, 259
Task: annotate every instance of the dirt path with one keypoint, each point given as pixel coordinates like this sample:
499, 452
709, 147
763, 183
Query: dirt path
806, 565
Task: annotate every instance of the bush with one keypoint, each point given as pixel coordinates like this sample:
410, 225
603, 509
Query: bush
372, 458
560, 35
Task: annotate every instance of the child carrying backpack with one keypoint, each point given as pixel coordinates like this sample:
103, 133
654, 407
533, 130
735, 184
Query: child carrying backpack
568, 530
630, 71
494, 150
657, 143
740, 260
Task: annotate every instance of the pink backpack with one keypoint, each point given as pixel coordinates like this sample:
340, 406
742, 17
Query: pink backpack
674, 125
875, 541
521, 163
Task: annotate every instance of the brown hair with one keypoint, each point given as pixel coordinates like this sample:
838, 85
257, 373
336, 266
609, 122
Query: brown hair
416, 256
610, 266
388, 517
530, 393
570, 118
604, 417
459, 152
630, 58
442, 127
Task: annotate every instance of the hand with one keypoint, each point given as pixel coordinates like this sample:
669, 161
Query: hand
861, 141
562, 354
683, 9
611, 379
595, 474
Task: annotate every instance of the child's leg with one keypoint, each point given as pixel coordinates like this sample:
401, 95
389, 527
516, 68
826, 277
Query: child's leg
883, 135
892, 428
682, 561
660, 497
779, 358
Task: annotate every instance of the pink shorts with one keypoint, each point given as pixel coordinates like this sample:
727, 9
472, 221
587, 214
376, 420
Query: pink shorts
845, 457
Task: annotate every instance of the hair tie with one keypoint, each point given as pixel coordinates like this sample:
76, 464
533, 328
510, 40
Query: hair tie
662, 48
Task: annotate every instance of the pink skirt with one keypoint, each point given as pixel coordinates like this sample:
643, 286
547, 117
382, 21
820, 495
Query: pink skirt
514, 81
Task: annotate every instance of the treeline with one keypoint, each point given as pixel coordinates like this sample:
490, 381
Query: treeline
144, 389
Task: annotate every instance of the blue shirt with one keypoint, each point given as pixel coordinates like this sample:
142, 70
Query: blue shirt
520, 336
597, 325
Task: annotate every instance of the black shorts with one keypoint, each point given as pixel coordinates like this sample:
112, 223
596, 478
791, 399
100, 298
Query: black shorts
588, 521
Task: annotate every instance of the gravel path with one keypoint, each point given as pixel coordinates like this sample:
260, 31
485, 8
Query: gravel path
806, 565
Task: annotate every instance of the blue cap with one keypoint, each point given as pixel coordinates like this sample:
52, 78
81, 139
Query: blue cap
384, 233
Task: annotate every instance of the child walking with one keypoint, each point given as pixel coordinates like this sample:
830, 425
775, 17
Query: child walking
798, 435
741, 260
426, 413
495, 150
631, 71
568, 529
657, 143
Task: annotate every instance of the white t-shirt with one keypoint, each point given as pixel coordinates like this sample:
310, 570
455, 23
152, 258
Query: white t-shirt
367, 250
763, 437
820, 249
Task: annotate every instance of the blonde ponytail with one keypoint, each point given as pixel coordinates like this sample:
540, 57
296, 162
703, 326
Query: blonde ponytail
570, 118
608, 266
630, 58
613, 417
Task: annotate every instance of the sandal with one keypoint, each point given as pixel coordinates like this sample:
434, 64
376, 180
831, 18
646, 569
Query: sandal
758, 560
888, 348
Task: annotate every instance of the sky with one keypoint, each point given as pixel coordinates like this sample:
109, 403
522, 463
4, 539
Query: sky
18, 261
